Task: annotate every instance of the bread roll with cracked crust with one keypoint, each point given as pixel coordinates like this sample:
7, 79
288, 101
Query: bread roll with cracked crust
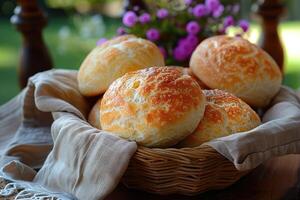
237, 66
224, 114
156, 107
114, 58
94, 115
190, 72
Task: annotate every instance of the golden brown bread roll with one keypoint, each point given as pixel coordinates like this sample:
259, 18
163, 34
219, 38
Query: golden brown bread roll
224, 114
156, 107
94, 115
237, 66
190, 72
114, 58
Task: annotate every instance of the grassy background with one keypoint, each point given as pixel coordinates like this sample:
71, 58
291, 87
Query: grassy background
69, 52
66, 53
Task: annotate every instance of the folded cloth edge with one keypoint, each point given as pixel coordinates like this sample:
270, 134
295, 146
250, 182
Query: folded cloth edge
284, 132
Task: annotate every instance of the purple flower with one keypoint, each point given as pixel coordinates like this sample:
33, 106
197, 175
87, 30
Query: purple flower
192, 27
129, 19
181, 41
228, 21
218, 12
185, 47
212, 5
188, 2
145, 18
153, 34
192, 39
121, 31
101, 41
199, 10
162, 13
244, 24
163, 51
180, 54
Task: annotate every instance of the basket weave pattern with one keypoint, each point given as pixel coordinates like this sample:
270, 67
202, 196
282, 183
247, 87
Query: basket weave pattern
187, 171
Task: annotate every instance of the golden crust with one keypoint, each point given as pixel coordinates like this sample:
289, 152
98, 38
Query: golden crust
224, 114
190, 72
94, 115
237, 66
156, 107
114, 58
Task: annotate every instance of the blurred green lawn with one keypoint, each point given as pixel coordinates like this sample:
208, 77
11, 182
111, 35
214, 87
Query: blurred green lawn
69, 52
70, 57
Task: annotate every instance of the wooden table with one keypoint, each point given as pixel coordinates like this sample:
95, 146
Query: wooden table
278, 178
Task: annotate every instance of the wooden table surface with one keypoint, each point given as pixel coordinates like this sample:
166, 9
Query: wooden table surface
278, 178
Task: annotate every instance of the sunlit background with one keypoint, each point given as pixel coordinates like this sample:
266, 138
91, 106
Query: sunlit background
75, 26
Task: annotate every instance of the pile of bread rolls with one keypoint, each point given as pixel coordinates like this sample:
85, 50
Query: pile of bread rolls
142, 100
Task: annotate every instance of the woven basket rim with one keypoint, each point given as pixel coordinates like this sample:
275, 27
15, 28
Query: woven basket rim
174, 149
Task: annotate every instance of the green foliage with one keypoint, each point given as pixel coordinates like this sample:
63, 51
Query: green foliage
66, 54
68, 4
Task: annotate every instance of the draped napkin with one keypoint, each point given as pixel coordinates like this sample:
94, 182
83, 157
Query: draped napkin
45, 128
81, 160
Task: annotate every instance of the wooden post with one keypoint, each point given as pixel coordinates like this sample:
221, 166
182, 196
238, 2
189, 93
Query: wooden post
270, 12
30, 20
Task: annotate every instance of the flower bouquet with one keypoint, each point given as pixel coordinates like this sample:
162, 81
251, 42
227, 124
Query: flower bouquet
178, 26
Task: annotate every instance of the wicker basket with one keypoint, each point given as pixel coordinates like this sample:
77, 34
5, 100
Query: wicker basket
187, 171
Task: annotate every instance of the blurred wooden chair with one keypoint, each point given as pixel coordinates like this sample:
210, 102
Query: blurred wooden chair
30, 20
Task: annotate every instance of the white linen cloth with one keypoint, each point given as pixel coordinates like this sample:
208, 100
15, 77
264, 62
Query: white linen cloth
45, 127
83, 161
